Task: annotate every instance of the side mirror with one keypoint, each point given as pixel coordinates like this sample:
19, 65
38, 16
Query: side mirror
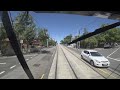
88, 54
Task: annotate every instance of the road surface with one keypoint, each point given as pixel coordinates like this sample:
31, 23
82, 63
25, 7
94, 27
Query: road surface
39, 65
67, 66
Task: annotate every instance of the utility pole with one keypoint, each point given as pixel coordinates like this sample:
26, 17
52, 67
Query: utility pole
79, 41
47, 42
0, 39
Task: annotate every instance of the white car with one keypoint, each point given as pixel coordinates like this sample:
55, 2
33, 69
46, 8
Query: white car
95, 58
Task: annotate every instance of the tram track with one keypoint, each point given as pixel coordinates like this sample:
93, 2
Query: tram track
66, 59
106, 73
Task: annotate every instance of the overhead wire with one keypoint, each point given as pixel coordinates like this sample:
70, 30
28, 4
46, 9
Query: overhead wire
117, 65
14, 43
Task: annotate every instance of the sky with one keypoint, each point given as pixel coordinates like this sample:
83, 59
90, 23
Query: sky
61, 25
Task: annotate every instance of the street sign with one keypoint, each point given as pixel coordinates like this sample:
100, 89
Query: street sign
21, 41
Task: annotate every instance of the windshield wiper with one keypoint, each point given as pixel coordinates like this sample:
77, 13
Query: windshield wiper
97, 31
14, 43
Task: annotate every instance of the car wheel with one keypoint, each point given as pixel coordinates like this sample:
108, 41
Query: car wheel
92, 63
81, 56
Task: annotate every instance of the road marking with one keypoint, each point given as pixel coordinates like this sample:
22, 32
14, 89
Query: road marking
2, 72
8, 57
16, 56
107, 73
13, 66
42, 76
2, 63
114, 59
53, 53
103, 71
113, 52
27, 59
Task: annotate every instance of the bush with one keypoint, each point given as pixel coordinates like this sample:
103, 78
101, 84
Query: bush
6, 49
10, 52
7, 52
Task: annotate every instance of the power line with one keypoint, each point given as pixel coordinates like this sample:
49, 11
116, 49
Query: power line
88, 24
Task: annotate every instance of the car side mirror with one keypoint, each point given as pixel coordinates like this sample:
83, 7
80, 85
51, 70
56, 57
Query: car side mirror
88, 54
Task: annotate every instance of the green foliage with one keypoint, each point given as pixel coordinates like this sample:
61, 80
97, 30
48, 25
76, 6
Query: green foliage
89, 42
52, 42
67, 39
25, 30
85, 31
111, 36
3, 34
43, 35
25, 27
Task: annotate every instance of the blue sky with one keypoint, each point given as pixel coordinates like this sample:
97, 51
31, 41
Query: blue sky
61, 25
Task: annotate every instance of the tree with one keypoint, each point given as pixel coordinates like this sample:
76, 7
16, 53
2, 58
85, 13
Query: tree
85, 31
5, 46
25, 28
3, 34
67, 39
43, 36
52, 42
111, 36
92, 42
29, 35
22, 24
84, 43
62, 42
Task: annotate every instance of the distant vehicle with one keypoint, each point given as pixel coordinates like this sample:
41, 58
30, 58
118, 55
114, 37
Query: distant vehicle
69, 46
95, 58
34, 49
107, 46
116, 45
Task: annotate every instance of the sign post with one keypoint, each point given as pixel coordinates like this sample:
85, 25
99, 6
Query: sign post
21, 42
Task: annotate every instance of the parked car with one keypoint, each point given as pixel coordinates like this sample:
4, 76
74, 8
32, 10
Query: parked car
107, 46
34, 49
95, 58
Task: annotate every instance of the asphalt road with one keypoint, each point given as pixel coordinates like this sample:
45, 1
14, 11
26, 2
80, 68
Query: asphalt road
113, 55
9, 64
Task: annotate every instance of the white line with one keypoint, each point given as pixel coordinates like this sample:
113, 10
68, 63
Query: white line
42, 76
53, 53
103, 71
2, 63
107, 73
113, 52
12, 66
113, 59
2, 72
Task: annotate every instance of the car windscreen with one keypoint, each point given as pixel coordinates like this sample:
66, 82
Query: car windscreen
95, 54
